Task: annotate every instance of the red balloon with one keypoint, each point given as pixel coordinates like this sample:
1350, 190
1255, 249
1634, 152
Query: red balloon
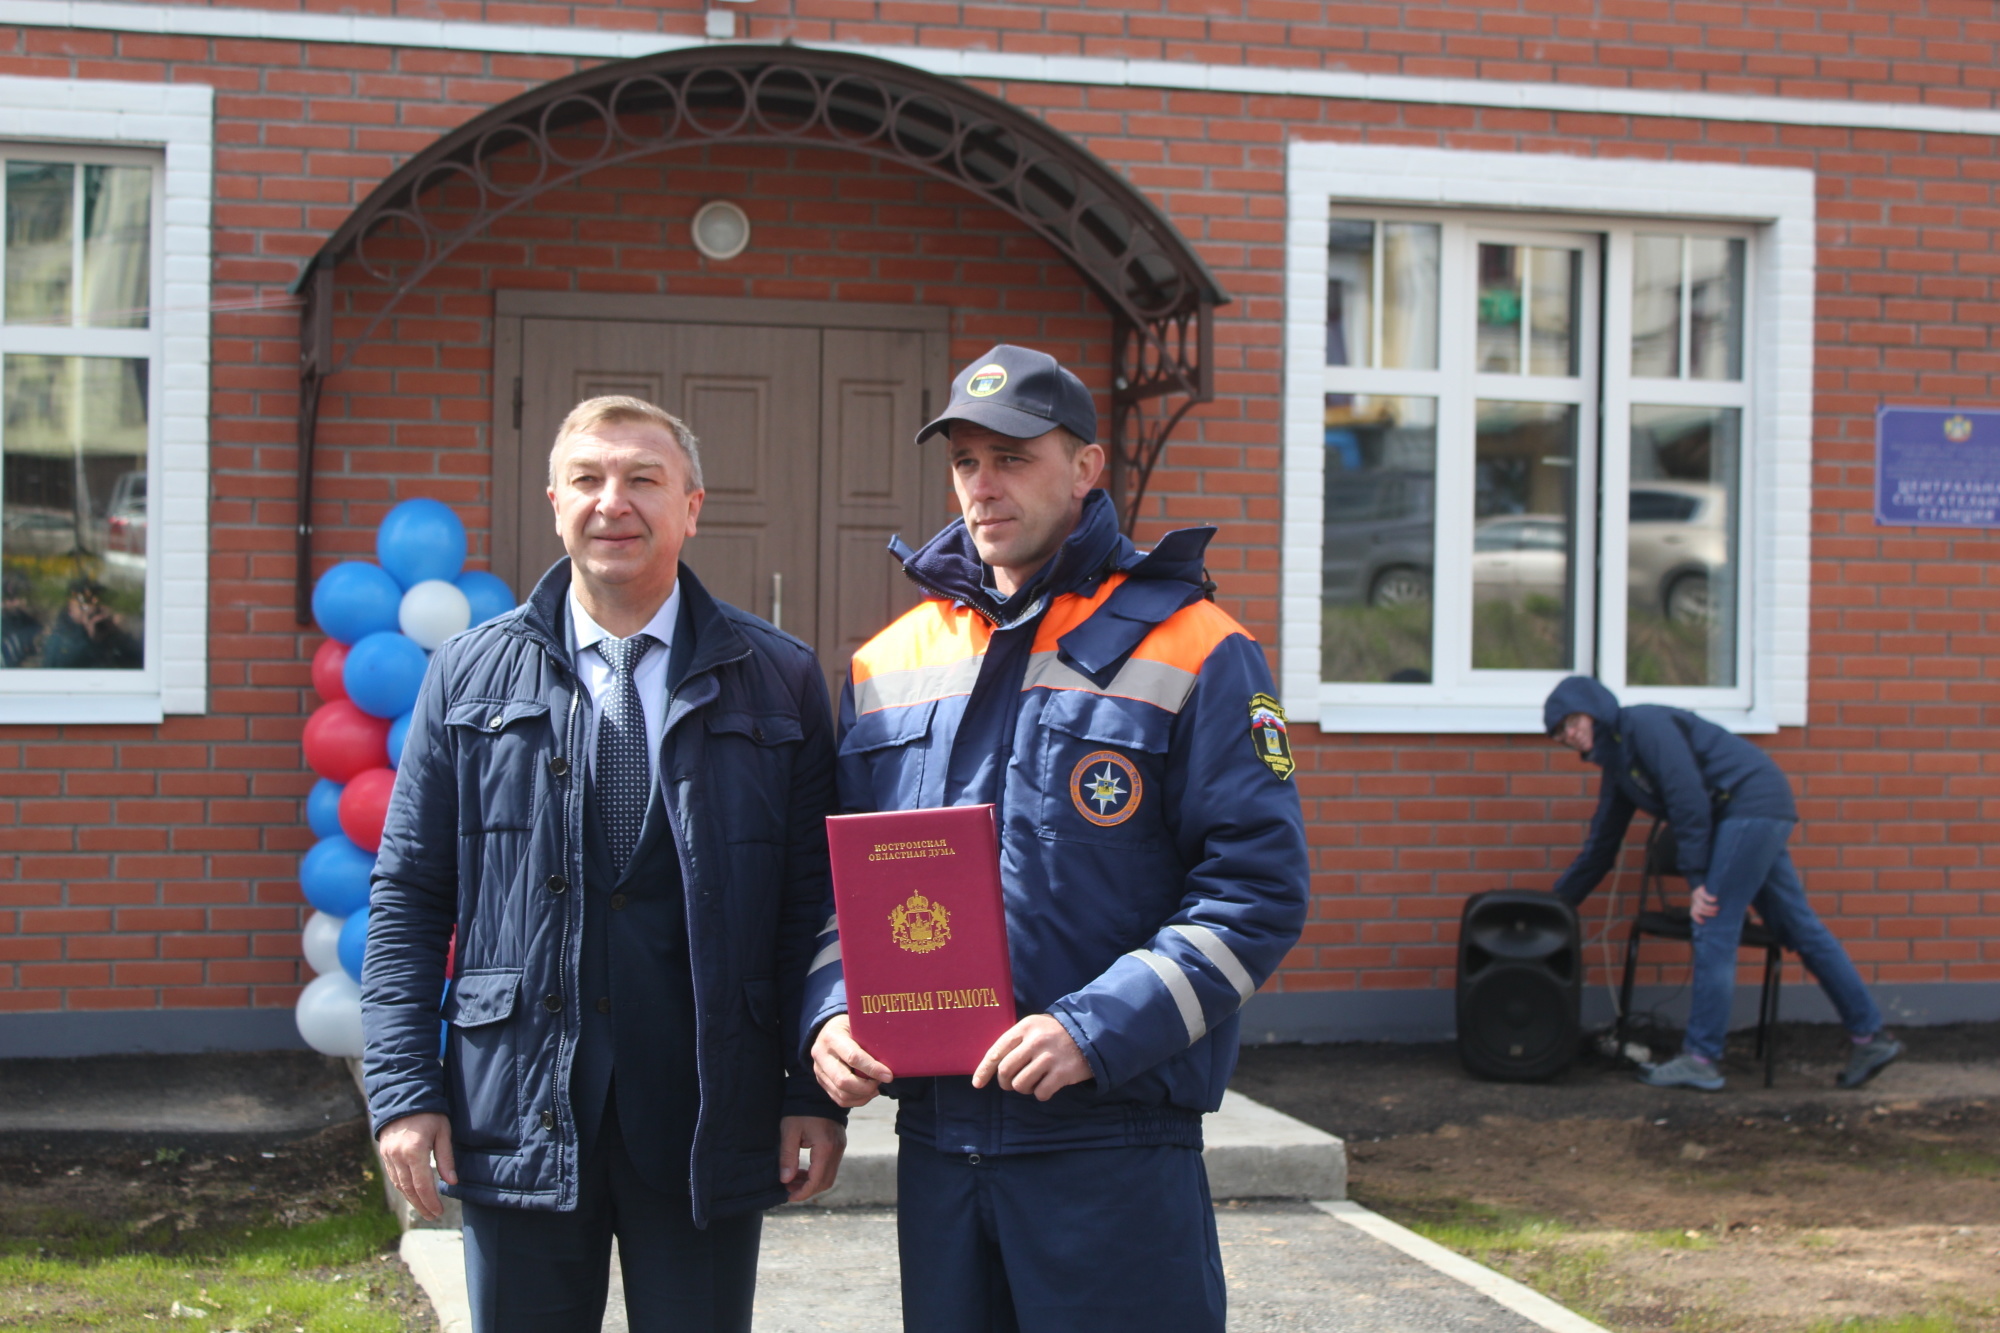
327, 662
341, 741
364, 805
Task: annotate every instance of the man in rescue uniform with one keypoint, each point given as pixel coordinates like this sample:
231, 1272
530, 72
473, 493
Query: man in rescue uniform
1153, 859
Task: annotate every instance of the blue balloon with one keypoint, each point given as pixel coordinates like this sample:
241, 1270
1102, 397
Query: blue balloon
421, 539
355, 599
383, 673
489, 594
323, 808
353, 943
399, 731
335, 876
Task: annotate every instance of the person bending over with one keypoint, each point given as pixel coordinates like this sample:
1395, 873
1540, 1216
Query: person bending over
1731, 812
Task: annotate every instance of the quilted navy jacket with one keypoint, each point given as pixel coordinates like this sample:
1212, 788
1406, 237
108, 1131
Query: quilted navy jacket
485, 834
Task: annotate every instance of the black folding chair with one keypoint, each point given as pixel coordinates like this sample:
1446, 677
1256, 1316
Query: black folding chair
1660, 919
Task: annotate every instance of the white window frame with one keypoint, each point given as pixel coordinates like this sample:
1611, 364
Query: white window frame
1775, 205
172, 127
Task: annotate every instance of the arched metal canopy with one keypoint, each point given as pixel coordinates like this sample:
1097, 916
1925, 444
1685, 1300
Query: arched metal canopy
1160, 294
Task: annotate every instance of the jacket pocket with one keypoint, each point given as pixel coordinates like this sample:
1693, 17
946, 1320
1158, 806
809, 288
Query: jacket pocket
503, 746
483, 1058
891, 747
761, 995
748, 761
1104, 769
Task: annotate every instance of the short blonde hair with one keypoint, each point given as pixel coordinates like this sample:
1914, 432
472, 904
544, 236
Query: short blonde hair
610, 410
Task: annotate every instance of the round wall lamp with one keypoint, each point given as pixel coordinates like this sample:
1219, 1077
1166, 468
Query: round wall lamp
721, 229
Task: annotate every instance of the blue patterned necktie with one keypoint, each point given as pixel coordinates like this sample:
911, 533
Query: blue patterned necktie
619, 770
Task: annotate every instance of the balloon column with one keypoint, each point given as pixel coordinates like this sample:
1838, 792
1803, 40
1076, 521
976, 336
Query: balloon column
382, 622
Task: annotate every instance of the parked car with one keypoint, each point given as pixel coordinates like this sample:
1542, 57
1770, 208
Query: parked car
125, 530
1678, 544
1516, 556
1379, 537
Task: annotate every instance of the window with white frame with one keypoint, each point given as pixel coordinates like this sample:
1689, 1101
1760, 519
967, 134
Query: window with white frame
1524, 442
79, 353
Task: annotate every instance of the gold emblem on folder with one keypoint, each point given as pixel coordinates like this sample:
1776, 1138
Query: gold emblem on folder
920, 925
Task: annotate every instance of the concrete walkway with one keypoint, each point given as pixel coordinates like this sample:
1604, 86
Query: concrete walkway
1291, 1264
1295, 1267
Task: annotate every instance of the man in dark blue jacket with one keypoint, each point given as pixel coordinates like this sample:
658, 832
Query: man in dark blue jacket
616, 796
1731, 812
1153, 860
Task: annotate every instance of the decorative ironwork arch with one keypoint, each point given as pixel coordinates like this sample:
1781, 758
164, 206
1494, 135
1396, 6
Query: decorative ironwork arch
1160, 294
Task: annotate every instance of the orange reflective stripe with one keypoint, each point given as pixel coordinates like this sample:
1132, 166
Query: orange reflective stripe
934, 650
1184, 639
931, 651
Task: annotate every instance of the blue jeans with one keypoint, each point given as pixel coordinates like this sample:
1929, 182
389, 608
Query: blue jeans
1748, 866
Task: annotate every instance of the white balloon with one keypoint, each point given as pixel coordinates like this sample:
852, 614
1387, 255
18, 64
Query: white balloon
329, 1014
322, 941
432, 612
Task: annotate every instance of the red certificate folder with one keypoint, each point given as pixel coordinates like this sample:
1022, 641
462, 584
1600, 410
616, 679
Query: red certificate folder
923, 936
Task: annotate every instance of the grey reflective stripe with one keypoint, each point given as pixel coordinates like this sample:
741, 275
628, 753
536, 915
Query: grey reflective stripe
1155, 683
1170, 975
899, 689
1225, 960
832, 924
830, 954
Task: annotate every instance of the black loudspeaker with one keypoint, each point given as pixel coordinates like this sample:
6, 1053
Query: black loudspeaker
1520, 985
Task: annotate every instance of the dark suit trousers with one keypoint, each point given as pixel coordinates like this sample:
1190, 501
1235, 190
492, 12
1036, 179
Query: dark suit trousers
535, 1271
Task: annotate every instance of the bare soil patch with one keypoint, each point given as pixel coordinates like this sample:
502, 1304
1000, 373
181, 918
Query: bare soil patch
1796, 1208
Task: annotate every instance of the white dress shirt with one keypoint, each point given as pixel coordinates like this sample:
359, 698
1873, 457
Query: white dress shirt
649, 678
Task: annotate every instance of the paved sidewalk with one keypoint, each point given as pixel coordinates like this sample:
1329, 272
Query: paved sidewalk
1295, 1267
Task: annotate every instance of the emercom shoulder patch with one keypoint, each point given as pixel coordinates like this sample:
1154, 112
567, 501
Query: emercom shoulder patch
1267, 733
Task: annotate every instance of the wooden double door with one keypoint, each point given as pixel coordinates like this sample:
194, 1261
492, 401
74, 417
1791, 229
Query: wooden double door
806, 414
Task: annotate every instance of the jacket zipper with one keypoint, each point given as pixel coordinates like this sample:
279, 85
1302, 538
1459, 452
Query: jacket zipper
565, 1118
935, 591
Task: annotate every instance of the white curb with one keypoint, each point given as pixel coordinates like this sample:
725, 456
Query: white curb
1496, 1287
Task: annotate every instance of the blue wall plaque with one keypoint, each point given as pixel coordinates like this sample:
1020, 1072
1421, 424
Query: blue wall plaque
1937, 467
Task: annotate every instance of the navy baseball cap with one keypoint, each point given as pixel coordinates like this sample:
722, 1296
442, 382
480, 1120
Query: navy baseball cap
1021, 393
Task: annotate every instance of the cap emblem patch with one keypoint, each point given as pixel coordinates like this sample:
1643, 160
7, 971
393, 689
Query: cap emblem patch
986, 381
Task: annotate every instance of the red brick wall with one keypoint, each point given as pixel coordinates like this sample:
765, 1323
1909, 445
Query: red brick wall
1945, 52
153, 866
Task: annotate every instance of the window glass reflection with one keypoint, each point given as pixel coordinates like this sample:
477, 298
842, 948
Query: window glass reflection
1523, 536
117, 246
1499, 337
1410, 295
1680, 618
1715, 308
1656, 307
1553, 290
1350, 290
1380, 522
41, 255
1407, 253
73, 513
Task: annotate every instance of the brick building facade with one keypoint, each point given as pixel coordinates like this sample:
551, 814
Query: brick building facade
1840, 155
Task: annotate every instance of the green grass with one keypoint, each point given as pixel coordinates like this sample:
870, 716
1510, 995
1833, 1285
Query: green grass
270, 1279
1530, 637
1371, 643
1908, 1323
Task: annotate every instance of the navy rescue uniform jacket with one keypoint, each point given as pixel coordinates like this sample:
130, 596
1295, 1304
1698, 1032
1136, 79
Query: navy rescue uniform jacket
485, 834
1152, 849
1671, 764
